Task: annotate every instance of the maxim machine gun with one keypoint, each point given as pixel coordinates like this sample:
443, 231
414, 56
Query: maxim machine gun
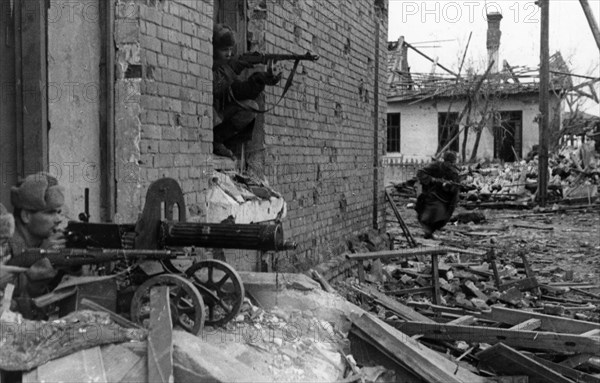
144, 255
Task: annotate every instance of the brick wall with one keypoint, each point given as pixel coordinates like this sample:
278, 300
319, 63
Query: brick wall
317, 146
163, 111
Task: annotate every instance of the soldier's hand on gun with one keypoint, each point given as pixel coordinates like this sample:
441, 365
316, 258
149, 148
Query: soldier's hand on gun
239, 65
265, 78
272, 78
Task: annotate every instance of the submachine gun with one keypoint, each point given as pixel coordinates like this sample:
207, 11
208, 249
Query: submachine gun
208, 285
267, 58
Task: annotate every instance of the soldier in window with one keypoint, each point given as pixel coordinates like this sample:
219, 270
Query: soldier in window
235, 95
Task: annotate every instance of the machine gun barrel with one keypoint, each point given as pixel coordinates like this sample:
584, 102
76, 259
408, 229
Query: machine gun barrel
223, 235
78, 257
265, 58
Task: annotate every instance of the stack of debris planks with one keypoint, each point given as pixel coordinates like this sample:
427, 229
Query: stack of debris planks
495, 320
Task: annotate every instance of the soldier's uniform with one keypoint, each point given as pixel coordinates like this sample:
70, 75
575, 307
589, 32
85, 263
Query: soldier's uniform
438, 200
36, 193
234, 97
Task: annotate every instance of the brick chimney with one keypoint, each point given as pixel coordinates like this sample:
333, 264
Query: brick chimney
493, 39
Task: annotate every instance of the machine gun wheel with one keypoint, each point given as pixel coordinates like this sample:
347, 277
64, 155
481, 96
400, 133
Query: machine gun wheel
221, 287
186, 303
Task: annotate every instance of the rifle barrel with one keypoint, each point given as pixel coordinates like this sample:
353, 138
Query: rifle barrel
78, 257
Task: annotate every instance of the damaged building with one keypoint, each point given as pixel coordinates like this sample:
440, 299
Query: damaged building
494, 115
110, 96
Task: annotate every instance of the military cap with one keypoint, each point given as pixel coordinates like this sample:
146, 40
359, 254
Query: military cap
37, 192
223, 36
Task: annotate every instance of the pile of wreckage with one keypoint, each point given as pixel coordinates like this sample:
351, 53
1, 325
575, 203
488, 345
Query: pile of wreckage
448, 314
574, 178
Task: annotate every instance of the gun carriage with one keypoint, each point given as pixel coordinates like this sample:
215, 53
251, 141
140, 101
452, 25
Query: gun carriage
148, 254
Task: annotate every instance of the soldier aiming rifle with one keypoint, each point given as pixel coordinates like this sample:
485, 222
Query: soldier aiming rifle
235, 106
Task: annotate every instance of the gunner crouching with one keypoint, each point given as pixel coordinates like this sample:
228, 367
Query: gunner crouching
439, 197
37, 201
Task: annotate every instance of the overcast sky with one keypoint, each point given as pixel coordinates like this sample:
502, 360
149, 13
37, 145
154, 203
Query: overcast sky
420, 21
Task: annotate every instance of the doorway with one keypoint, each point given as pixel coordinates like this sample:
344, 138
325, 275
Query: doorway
507, 136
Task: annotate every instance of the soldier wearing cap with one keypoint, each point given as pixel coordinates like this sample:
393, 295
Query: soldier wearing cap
439, 197
235, 105
37, 202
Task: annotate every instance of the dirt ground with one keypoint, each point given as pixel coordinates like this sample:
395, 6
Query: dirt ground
556, 244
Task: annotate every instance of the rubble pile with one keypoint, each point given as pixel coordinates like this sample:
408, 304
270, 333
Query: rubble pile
574, 177
526, 307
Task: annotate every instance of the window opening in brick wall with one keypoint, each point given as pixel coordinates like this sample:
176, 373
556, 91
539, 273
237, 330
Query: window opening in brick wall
393, 132
447, 129
508, 129
233, 13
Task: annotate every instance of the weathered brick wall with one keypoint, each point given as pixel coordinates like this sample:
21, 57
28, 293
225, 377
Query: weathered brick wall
163, 111
317, 146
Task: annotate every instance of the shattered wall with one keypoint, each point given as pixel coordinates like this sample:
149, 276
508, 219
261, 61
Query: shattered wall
419, 125
319, 146
163, 111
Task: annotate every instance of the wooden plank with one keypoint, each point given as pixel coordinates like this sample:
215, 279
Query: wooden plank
558, 343
575, 375
441, 309
465, 320
595, 332
524, 284
416, 290
409, 238
528, 325
473, 289
324, 284
405, 253
491, 258
502, 358
437, 296
160, 336
529, 273
534, 227
424, 362
576, 360
123, 322
361, 272
120, 362
82, 366
549, 322
398, 308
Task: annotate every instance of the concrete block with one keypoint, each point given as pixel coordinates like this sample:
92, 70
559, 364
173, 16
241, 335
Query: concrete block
197, 361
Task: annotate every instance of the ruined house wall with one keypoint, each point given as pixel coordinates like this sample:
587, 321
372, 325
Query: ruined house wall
318, 146
73, 102
8, 132
419, 125
163, 112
